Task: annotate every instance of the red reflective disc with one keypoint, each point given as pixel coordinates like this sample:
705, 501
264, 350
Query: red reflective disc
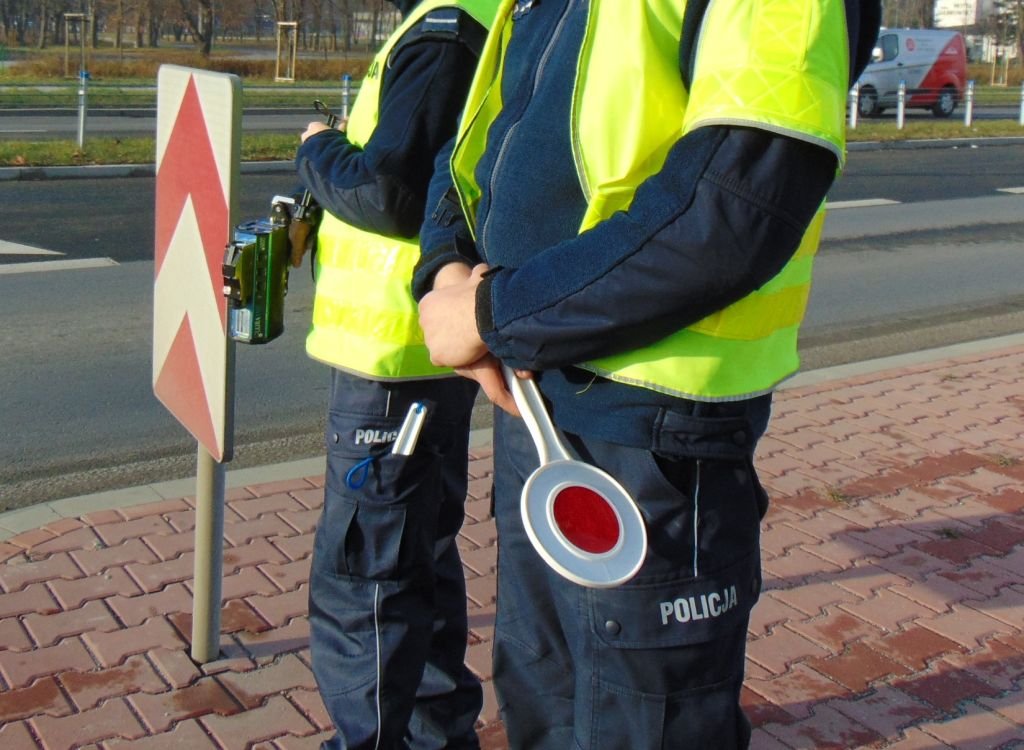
586, 519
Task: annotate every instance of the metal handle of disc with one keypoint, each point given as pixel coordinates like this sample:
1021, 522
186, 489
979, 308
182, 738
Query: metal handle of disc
531, 406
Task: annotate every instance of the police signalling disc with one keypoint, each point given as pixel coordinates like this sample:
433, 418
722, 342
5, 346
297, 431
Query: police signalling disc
580, 520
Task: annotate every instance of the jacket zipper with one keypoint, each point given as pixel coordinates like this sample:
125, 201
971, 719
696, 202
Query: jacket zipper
507, 137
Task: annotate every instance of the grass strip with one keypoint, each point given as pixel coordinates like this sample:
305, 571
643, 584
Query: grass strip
274, 146
142, 150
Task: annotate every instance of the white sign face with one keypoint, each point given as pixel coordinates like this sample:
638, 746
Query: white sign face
198, 139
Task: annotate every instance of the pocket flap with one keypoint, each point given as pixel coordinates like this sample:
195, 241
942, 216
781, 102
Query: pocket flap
676, 613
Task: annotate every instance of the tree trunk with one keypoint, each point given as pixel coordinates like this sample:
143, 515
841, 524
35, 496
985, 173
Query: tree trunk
153, 28
346, 14
1019, 31
43, 23
200, 24
119, 25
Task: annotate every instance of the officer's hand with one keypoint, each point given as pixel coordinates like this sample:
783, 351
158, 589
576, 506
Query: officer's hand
448, 320
487, 372
312, 129
300, 239
451, 274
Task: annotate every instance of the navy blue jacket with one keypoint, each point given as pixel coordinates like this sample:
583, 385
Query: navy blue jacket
382, 187
722, 217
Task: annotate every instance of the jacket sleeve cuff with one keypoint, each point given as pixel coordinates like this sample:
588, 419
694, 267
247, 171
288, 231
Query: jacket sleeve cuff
429, 264
484, 305
496, 343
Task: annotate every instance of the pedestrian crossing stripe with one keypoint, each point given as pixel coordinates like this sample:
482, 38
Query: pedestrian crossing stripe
13, 248
864, 203
68, 264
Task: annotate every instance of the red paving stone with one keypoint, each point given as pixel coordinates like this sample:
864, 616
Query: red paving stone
893, 612
42, 697
112, 720
89, 689
162, 710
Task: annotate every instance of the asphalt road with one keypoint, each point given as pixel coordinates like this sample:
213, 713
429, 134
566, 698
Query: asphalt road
56, 124
939, 262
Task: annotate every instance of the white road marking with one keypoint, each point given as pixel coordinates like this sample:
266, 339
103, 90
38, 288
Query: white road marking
865, 203
1016, 190
56, 265
13, 248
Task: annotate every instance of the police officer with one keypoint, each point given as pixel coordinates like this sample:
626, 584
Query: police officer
642, 185
387, 600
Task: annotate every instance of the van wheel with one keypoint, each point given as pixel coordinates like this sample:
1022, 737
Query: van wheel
946, 102
867, 102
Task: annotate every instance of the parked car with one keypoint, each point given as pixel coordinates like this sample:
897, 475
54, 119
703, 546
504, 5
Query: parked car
931, 62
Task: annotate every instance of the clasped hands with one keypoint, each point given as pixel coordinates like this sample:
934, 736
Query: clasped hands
448, 319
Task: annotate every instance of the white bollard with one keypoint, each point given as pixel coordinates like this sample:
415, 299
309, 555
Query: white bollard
855, 103
83, 78
901, 105
969, 105
346, 95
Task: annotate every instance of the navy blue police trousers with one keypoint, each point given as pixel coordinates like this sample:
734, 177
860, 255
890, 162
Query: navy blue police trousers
657, 662
387, 597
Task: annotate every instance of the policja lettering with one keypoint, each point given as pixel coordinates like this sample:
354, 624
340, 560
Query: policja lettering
375, 437
693, 608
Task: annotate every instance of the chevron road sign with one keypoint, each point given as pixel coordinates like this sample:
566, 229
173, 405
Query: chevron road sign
197, 158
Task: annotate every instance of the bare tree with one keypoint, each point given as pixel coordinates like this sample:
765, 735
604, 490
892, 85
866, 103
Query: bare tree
44, 19
914, 14
1010, 19
199, 23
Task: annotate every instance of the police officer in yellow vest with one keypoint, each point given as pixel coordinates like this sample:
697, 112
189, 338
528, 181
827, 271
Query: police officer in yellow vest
642, 186
387, 600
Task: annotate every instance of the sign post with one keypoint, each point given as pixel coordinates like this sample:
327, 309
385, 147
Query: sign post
197, 166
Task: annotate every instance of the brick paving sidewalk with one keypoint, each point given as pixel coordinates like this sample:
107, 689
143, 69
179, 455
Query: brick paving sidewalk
892, 616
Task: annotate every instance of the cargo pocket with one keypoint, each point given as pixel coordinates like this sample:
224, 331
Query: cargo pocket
668, 660
377, 526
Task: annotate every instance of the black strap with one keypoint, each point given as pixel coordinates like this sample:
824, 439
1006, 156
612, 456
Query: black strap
693, 17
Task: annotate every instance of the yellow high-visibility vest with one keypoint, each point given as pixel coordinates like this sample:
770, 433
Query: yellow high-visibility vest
365, 320
778, 65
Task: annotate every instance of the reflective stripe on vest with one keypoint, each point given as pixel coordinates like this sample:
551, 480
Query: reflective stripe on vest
364, 318
779, 65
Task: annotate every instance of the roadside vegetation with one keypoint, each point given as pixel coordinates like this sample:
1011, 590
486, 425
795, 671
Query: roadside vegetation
141, 66
99, 150
128, 80
272, 147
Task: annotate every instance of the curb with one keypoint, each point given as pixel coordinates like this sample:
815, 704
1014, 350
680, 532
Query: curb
933, 143
10, 174
90, 171
14, 522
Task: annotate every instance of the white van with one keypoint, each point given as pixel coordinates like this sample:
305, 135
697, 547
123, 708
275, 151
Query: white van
932, 63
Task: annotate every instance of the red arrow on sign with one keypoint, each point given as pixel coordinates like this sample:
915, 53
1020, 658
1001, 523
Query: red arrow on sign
189, 170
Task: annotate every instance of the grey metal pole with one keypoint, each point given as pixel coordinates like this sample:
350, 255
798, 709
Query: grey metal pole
969, 107
854, 104
209, 557
83, 77
901, 104
1021, 119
